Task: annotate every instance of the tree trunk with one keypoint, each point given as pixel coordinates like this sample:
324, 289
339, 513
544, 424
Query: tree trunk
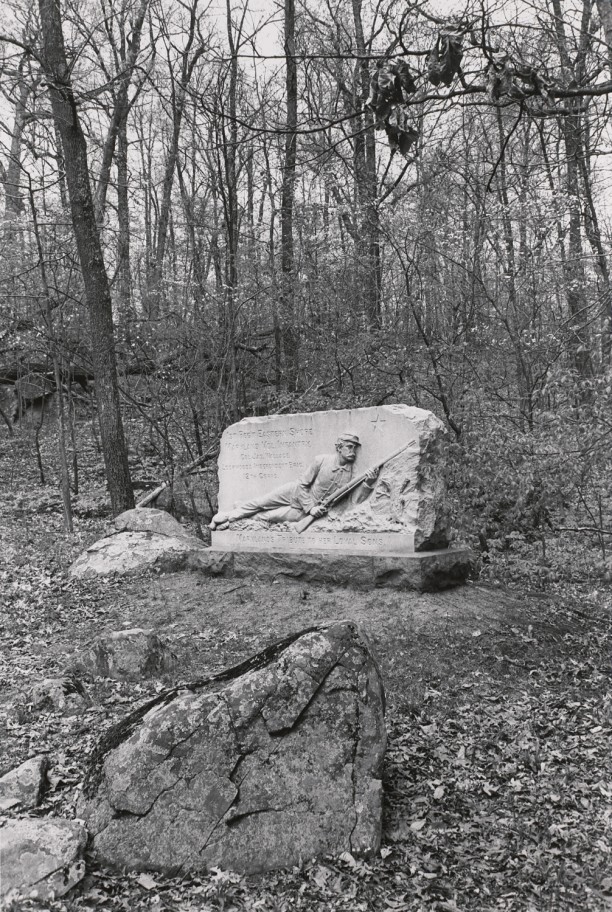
289, 330
13, 205
571, 126
95, 279
575, 278
593, 232
124, 276
178, 99
367, 188
604, 8
120, 109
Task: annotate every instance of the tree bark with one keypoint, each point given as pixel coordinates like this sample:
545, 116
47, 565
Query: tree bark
288, 326
571, 126
178, 100
124, 275
604, 8
121, 108
13, 205
367, 186
95, 279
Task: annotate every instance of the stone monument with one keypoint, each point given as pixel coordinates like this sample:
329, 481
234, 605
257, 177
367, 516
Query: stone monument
297, 492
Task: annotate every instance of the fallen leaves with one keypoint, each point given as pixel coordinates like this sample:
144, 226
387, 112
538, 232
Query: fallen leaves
497, 780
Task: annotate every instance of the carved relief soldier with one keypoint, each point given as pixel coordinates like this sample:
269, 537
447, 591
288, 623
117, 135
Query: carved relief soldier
297, 499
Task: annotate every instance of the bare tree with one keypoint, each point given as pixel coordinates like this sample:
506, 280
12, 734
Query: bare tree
95, 279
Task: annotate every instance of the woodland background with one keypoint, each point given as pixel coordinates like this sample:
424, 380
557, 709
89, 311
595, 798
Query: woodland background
311, 206
211, 211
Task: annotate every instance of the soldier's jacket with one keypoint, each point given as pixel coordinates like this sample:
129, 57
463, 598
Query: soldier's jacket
322, 478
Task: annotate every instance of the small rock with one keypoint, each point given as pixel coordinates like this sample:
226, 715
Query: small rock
42, 859
147, 519
65, 694
24, 784
134, 653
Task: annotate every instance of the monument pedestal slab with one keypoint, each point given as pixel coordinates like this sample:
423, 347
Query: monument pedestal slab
423, 571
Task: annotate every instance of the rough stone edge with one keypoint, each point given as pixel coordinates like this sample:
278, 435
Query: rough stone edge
166, 562
423, 571
45, 888
122, 730
363, 839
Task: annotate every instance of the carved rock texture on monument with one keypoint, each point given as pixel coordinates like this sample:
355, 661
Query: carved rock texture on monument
409, 497
410, 492
272, 762
42, 858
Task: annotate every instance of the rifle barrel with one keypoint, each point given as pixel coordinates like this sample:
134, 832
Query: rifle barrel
333, 499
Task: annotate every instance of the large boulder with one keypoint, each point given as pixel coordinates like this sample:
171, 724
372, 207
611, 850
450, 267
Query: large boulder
23, 785
260, 767
42, 859
131, 552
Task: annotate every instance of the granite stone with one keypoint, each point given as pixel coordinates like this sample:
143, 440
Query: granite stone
261, 767
419, 571
400, 511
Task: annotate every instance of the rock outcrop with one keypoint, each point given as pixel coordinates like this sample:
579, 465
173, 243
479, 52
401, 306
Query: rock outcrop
260, 767
145, 538
42, 859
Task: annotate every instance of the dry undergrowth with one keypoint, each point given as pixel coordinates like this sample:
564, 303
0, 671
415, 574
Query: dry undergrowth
498, 776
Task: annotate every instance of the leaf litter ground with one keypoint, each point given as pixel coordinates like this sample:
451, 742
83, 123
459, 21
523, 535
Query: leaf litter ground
498, 777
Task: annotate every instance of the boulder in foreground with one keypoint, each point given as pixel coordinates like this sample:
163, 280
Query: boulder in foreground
261, 767
42, 859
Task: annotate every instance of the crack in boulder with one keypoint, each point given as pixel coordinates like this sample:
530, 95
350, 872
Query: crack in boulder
269, 762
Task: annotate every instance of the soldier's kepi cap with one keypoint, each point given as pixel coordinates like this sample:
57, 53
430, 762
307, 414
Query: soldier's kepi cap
349, 438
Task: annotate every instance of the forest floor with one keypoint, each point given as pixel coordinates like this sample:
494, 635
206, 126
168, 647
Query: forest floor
498, 777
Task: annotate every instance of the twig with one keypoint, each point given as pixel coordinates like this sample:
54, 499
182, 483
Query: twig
583, 529
209, 454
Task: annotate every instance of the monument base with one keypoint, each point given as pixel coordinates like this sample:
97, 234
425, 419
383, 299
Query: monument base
424, 571
347, 542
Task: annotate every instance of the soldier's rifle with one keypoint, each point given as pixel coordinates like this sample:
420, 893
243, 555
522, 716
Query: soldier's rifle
342, 492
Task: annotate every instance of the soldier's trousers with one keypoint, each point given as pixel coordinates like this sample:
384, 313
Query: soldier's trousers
275, 507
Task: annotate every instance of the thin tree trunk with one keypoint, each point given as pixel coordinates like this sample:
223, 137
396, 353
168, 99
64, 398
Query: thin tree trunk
523, 379
593, 232
367, 187
570, 126
289, 330
124, 276
13, 204
120, 109
178, 98
57, 374
95, 279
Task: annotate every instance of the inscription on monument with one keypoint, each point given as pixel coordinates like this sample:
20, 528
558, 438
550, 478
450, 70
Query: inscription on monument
350, 542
